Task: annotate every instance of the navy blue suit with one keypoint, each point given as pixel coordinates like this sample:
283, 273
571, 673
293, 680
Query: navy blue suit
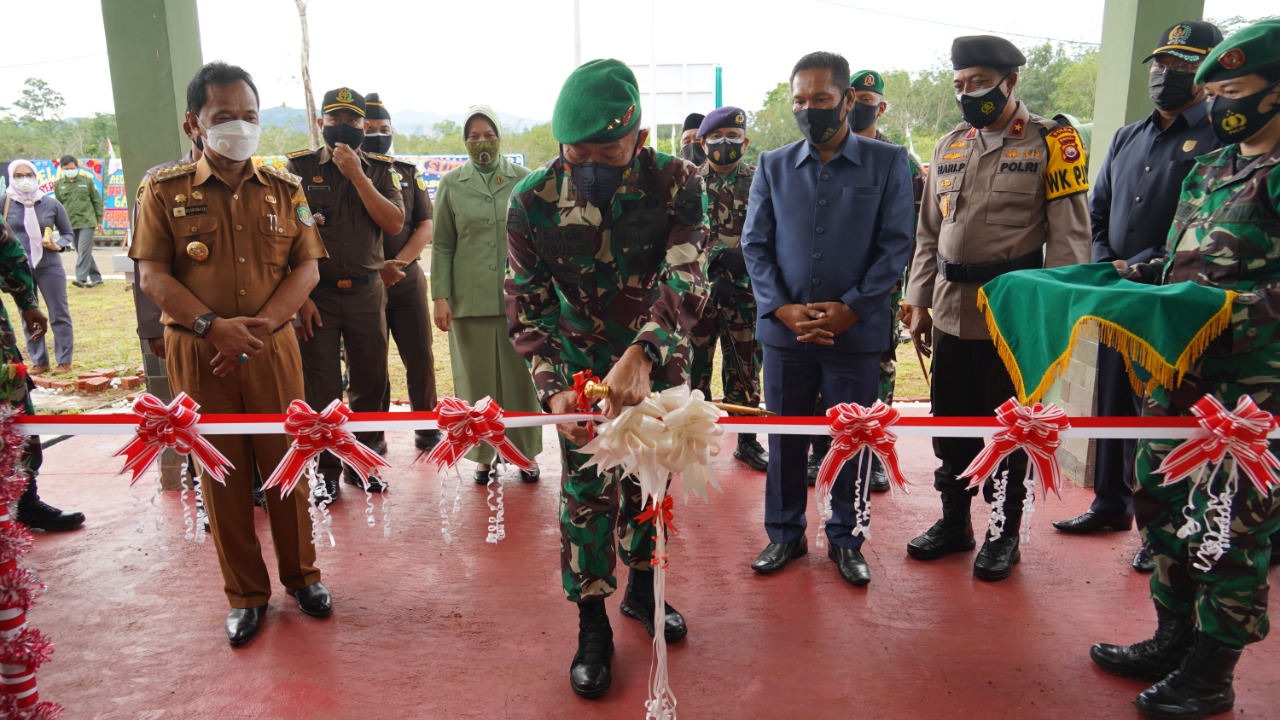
823, 233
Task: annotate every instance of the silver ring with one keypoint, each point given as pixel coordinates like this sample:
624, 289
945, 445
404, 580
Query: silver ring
244, 358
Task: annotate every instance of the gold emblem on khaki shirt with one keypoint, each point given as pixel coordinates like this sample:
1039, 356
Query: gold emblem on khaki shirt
270, 199
197, 195
944, 205
198, 251
317, 178
179, 198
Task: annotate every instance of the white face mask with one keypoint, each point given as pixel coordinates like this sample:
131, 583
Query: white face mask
25, 184
235, 140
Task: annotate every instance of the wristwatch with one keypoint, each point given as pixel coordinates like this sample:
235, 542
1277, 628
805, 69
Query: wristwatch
650, 352
203, 324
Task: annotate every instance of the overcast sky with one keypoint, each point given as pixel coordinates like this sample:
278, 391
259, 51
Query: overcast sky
514, 54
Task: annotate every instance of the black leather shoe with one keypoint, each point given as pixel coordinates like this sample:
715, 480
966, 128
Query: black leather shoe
1092, 522
530, 476
852, 566
751, 452
1200, 687
39, 515
482, 476
591, 674
952, 533
243, 624
314, 599
1152, 659
1143, 563
996, 559
351, 477
879, 478
775, 556
426, 440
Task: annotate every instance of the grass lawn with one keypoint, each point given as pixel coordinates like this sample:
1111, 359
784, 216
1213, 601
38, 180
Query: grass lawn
106, 337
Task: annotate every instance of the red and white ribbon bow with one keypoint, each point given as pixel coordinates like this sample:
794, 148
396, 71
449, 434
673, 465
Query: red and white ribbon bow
170, 426
465, 427
853, 428
1036, 430
1242, 433
313, 433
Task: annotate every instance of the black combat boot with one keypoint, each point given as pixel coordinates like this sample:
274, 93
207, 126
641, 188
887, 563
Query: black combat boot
997, 557
1150, 659
752, 453
39, 515
879, 478
1199, 688
820, 445
952, 534
590, 674
638, 605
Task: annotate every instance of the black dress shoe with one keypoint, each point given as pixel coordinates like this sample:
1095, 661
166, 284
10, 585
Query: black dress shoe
530, 476
775, 556
1143, 563
751, 452
351, 477
482, 476
879, 478
996, 559
243, 624
852, 566
426, 440
39, 515
590, 674
313, 599
1092, 522
80, 283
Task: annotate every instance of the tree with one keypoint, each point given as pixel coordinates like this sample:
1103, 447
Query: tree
39, 102
773, 125
313, 132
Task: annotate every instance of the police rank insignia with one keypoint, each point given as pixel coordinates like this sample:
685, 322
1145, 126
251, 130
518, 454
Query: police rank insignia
1019, 126
198, 251
946, 183
304, 215
956, 145
953, 156
197, 195
1011, 154
180, 198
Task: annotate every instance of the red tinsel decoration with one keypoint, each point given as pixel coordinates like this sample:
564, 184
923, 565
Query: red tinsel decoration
15, 541
41, 711
19, 589
27, 647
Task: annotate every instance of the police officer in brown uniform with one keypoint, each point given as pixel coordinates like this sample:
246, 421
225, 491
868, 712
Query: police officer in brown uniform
355, 198
229, 254
408, 318
1006, 191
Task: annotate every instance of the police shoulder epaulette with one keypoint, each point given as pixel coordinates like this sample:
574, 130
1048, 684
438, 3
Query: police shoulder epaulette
170, 172
299, 153
279, 172
383, 158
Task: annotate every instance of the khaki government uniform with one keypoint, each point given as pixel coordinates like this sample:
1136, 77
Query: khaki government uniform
252, 235
350, 296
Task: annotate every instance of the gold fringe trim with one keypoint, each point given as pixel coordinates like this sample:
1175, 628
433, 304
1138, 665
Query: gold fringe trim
1134, 349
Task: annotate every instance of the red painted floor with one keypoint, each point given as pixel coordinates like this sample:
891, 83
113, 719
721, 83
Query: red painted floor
422, 629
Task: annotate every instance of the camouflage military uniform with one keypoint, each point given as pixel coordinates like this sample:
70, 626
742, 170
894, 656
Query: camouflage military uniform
1226, 234
582, 285
730, 314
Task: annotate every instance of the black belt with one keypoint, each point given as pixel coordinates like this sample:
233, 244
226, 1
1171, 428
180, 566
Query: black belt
979, 273
346, 283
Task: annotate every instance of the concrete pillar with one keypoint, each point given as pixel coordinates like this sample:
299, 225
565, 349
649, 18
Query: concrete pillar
153, 50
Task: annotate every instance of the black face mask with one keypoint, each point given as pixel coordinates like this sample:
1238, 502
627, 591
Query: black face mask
724, 151
818, 125
1171, 89
352, 137
1236, 120
376, 143
981, 107
863, 116
597, 181
694, 153
199, 143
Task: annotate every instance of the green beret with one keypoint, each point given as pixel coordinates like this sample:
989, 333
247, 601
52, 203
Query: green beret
599, 103
1254, 48
985, 50
869, 80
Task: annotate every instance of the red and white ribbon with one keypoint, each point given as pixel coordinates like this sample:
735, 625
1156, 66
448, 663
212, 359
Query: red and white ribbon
1241, 434
853, 428
313, 433
163, 426
465, 427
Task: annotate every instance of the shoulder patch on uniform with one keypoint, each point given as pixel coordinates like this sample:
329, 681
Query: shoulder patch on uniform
383, 158
1066, 172
299, 153
279, 172
170, 172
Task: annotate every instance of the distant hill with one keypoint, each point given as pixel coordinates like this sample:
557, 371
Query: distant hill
407, 122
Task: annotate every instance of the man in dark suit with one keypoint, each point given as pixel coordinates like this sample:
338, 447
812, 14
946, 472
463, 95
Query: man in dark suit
828, 231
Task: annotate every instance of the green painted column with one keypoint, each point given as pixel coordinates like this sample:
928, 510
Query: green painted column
1129, 31
153, 49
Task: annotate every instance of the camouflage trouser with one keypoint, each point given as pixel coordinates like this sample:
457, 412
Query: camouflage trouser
1229, 603
733, 324
889, 360
592, 508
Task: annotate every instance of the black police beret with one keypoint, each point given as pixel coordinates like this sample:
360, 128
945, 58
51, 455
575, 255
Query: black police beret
985, 50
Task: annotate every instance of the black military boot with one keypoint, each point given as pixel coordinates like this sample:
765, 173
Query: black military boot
590, 674
1199, 688
879, 478
952, 534
752, 453
638, 605
39, 515
1150, 659
997, 557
